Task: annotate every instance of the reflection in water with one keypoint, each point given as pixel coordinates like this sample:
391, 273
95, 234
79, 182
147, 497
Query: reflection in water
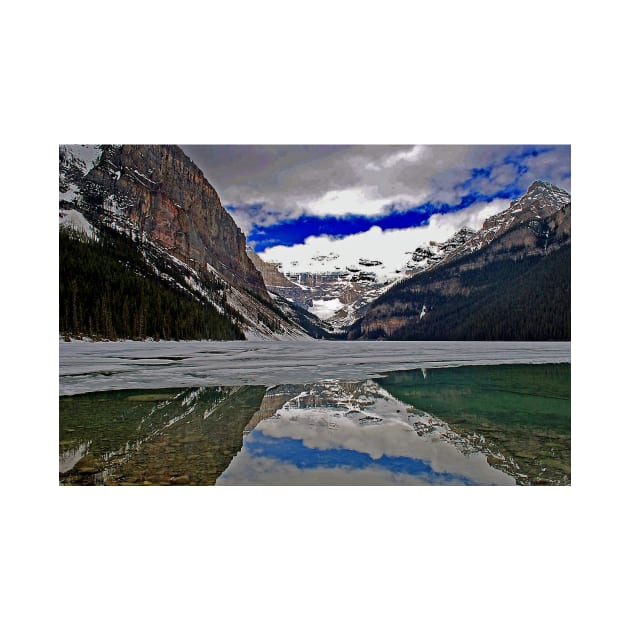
518, 415
161, 437
338, 433
461, 426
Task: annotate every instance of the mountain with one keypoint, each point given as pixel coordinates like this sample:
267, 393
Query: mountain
176, 262
275, 280
427, 256
335, 296
511, 280
338, 286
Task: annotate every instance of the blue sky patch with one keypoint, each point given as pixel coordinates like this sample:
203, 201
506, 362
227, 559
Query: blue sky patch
292, 451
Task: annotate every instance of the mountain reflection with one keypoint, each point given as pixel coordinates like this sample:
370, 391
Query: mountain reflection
158, 437
518, 415
345, 433
459, 426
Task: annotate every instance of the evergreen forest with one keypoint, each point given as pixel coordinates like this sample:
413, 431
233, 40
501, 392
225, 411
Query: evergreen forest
528, 299
107, 290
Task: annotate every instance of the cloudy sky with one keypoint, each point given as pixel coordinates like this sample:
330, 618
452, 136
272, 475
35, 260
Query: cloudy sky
286, 196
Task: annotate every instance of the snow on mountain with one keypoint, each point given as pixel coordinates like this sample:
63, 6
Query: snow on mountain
86, 154
159, 201
74, 220
75, 160
326, 309
510, 280
541, 200
336, 279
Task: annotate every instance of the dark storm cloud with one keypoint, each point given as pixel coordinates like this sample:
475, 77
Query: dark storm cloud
267, 186
290, 175
251, 173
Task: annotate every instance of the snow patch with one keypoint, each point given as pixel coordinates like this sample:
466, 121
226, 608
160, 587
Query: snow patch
70, 194
87, 154
325, 309
74, 220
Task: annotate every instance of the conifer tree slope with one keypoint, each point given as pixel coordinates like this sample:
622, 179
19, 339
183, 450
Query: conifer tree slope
510, 281
108, 291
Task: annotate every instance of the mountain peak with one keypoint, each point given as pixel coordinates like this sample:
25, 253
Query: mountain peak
542, 200
539, 184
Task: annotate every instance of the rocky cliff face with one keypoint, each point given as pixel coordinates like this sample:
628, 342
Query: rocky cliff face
161, 209
167, 199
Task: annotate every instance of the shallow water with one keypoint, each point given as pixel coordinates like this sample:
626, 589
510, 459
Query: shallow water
473, 425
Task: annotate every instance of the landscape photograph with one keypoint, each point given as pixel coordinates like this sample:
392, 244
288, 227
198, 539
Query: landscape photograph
325, 355
314, 314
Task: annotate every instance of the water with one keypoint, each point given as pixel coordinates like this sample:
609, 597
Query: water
519, 415
164, 437
467, 425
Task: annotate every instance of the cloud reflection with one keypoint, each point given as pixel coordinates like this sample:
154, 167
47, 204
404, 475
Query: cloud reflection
335, 433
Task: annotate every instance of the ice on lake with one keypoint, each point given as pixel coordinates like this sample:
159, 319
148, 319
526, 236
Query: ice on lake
99, 366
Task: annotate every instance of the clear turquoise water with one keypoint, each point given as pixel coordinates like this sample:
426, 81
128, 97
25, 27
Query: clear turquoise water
481, 425
523, 412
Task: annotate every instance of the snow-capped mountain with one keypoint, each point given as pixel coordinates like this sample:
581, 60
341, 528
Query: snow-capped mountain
333, 295
74, 163
533, 209
162, 232
509, 280
426, 256
338, 287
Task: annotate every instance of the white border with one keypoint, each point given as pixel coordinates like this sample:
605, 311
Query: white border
279, 72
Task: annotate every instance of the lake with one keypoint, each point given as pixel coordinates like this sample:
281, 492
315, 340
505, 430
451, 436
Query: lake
314, 413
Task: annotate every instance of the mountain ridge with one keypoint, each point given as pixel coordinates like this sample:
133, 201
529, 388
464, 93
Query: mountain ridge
521, 251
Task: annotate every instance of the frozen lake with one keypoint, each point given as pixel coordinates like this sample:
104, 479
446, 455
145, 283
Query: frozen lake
101, 366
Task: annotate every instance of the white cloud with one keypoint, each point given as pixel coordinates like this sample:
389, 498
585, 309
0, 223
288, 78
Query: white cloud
243, 219
410, 155
289, 181
391, 247
246, 217
360, 200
